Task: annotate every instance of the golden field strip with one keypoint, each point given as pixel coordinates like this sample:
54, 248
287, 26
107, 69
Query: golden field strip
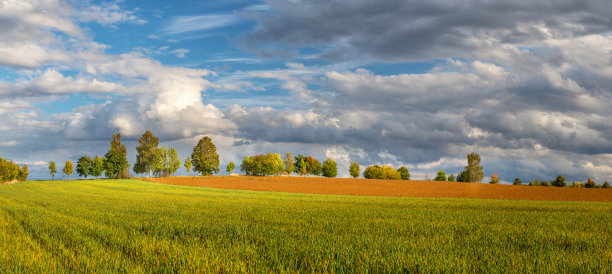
134, 226
397, 188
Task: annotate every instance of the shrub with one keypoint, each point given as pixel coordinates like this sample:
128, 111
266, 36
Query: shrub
384, 172
9, 171
354, 170
544, 183
494, 179
517, 182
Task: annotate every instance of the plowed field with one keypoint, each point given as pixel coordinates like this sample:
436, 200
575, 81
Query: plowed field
363, 187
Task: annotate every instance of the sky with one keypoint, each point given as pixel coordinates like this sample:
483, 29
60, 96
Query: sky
526, 84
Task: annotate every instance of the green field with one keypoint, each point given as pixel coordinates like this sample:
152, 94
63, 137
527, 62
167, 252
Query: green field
135, 226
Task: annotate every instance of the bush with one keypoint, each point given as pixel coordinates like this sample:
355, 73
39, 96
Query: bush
517, 182
262, 165
534, 183
494, 179
9, 171
329, 169
354, 170
544, 183
384, 172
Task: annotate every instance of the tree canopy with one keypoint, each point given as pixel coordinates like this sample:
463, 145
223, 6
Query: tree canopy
145, 159
68, 168
441, 176
97, 166
165, 161
381, 172
354, 170
473, 171
116, 162
204, 157
404, 173
262, 164
83, 167
52, 169
329, 168
10, 171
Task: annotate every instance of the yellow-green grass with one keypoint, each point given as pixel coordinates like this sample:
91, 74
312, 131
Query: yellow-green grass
135, 226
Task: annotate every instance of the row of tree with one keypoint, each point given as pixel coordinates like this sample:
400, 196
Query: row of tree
9, 171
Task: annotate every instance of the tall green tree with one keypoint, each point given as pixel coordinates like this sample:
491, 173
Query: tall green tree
329, 168
559, 181
230, 167
441, 176
115, 162
83, 167
204, 157
97, 166
451, 178
288, 161
404, 173
146, 153
68, 168
166, 161
354, 170
473, 171
52, 169
187, 164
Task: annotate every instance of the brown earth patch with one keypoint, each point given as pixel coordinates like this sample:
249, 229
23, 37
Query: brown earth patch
364, 187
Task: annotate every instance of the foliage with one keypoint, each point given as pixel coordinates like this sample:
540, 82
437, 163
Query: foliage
404, 173
517, 182
576, 184
116, 162
204, 157
230, 167
590, 183
544, 183
68, 168
9, 171
354, 170
110, 226
262, 165
146, 157
97, 166
307, 165
187, 164
165, 161
441, 176
559, 181
52, 169
451, 178
494, 179
605, 185
473, 171
288, 161
329, 168
462, 176
384, 172
83, 167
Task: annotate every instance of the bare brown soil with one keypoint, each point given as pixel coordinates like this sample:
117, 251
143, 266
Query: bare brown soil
364, 187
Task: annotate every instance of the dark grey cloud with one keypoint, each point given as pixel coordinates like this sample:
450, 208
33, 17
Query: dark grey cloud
420, 30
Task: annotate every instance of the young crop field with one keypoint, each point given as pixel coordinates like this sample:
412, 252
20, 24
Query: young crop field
136, 226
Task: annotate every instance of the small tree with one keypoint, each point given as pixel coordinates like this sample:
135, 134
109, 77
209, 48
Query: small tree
451, 178
166, 161
517, 182
494, 179
404, 173
204, 157
83, 167
146, 153
590, 183
288, 161
302, 170
559, 181
187, 164
52, 169
97, 166
116, 162
230, 167
354, 170
544, 183
68, 169
534, 183
329, 169
473, 171
605, 185
441, 176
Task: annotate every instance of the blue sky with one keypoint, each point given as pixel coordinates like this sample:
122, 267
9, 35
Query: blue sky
404, 83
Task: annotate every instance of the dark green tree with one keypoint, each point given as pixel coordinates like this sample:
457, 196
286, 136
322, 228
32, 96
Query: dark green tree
544, 183
403, 171
116, 162
590, 183
605, 185
83, 167
204, 157
146, 153
354, 170
52, 169
441, 176
559, 181
517, 182
329, 169
451, 178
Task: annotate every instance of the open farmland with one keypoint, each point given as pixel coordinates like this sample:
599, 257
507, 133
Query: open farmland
137, 226
397, 188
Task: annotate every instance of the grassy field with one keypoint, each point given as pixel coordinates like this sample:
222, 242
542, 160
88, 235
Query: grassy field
137, 226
